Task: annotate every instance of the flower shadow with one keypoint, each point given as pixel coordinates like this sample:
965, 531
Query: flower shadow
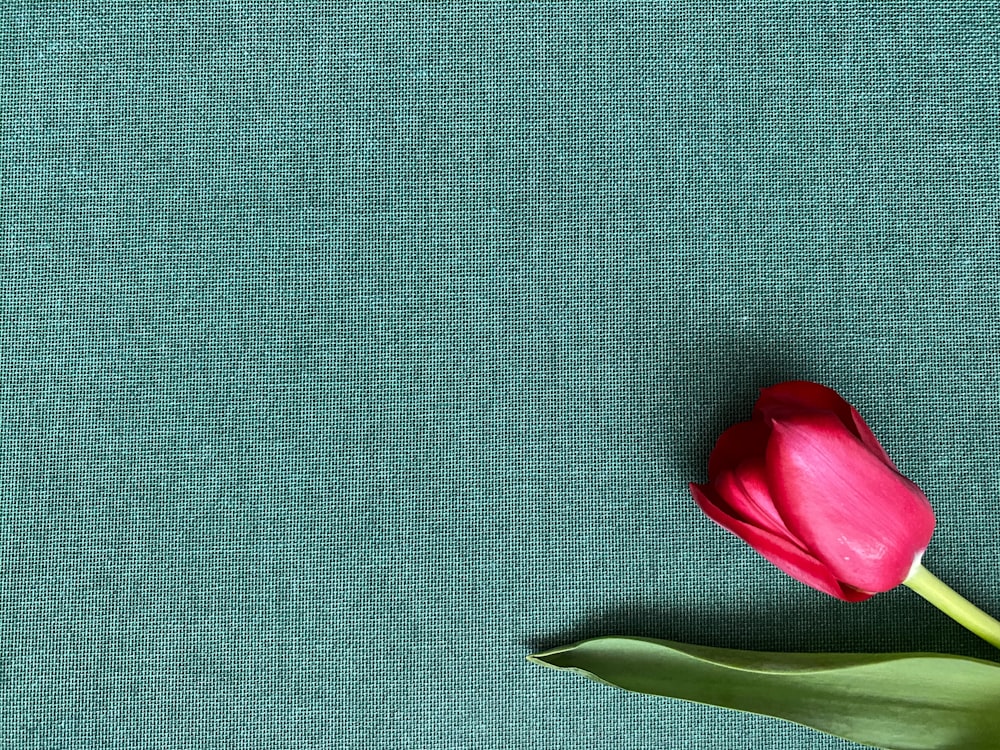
721, 393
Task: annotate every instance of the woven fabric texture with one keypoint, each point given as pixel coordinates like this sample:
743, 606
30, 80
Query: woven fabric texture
351, 351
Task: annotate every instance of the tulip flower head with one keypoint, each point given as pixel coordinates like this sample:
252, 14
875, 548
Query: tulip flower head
806, 484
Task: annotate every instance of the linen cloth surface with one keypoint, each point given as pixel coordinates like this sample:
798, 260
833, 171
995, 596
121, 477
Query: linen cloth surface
352, 351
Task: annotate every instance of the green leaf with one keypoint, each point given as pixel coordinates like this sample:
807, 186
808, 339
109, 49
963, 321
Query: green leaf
891, 701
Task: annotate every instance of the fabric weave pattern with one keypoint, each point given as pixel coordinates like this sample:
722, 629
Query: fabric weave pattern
351, 350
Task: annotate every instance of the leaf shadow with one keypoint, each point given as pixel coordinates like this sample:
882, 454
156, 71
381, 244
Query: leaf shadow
898, 621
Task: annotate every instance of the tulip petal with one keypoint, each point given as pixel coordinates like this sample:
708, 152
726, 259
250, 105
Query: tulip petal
781, 553
742, 441
864, 521
793, 396
746, 494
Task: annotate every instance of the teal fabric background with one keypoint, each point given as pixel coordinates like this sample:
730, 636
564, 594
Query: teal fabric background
350, 351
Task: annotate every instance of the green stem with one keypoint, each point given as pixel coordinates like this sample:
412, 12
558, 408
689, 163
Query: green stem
964, 612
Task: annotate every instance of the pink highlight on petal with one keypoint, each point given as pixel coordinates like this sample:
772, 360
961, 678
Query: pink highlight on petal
862, 519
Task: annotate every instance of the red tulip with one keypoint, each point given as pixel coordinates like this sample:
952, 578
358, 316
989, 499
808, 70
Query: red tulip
807, 485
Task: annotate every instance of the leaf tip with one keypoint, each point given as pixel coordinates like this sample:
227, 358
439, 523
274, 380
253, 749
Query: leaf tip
547, 658
536, 659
